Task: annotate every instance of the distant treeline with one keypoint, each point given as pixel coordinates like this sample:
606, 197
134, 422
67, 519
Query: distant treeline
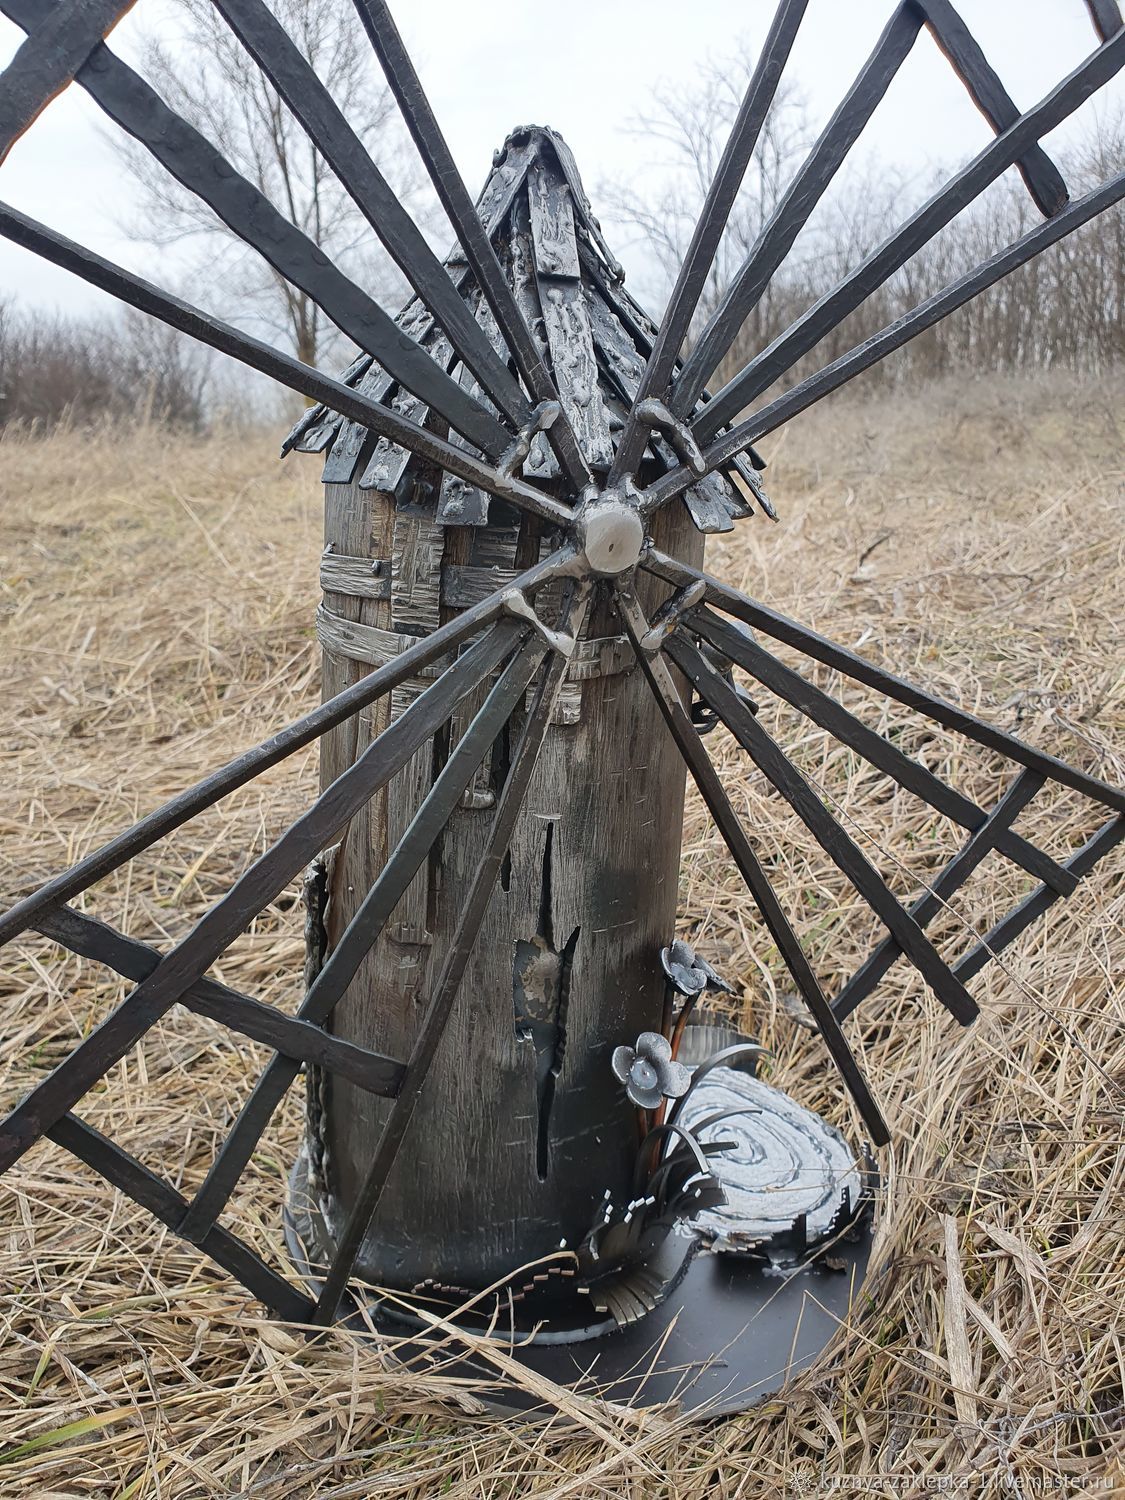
1064, 309
127, 367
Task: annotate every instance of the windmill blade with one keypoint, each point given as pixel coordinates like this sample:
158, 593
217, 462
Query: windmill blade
990, 831
815, 387
260, 884
243, 768
472, 237
1043, 180
805, 191
296, 82
821, 649
294, 1038
129, 101
362, 932
740, 647
796, 205
944, 885
709, 229
133, 1179
1108, 836
137, 292
508, 808
757, 882
962, 189
47, 61
829, 834
1106, 17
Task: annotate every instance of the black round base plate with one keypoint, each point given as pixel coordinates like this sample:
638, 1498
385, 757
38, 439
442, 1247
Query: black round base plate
730, 1334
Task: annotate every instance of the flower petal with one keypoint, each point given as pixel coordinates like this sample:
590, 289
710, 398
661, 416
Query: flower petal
714, 979
655, 1047
644, 1098
622, 1060
677, 1080
692, 981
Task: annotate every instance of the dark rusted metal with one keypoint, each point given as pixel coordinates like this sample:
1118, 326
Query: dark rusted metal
178, 970
1044, 180
361, 933
129, 101
815, 387
819, 648
943, 885
49, 59
244, 768
477, 247
449, 981
739, 646
1106, 17
918, 230
749, 867
833, 838
1108, 836
560, 393
281, 61
137, 292
294, 1038
797, 203
701, 252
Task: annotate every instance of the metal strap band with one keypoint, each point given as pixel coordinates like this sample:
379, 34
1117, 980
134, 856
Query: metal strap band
370, 578
603, 656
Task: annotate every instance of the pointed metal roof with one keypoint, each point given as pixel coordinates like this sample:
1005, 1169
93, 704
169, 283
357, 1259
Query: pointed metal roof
594, 337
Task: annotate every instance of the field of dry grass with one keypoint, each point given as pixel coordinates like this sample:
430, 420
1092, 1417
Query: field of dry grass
157, 599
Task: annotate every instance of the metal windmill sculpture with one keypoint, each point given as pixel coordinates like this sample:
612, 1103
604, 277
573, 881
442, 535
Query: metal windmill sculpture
521, 655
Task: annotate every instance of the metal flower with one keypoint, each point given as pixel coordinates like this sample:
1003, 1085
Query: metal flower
648, 1072
688, 973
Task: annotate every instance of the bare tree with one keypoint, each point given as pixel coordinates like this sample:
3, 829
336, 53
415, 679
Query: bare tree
84, 371
1063, 308
689, 122
200, 69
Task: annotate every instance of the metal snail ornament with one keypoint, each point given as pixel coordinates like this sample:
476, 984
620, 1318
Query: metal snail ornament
517, 1117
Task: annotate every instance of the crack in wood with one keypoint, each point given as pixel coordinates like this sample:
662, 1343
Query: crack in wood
541, 997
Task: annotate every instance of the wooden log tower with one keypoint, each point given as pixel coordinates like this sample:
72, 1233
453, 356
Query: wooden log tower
523, 1126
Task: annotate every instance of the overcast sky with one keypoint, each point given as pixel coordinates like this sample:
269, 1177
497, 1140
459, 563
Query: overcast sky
585, 67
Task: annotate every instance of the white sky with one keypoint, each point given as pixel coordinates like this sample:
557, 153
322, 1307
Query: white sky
585, 67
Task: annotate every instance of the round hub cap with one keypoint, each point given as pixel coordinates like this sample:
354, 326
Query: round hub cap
612, 536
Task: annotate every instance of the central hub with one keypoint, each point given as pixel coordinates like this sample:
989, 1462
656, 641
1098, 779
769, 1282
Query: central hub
611, 536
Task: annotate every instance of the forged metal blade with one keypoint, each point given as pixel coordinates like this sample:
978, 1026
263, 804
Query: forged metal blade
243, 768
757, 882
962, 189
829, 834
815, 387
282, 367
821, 649
487, 872
474, 241
296, 81
989, 830
361, 934
293, 1037
797, 203
133, 1179
704, 244
185, 964
1043, 179
47, 61
129, 101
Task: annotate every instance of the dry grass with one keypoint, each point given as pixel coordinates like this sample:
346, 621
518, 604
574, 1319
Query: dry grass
158, 596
